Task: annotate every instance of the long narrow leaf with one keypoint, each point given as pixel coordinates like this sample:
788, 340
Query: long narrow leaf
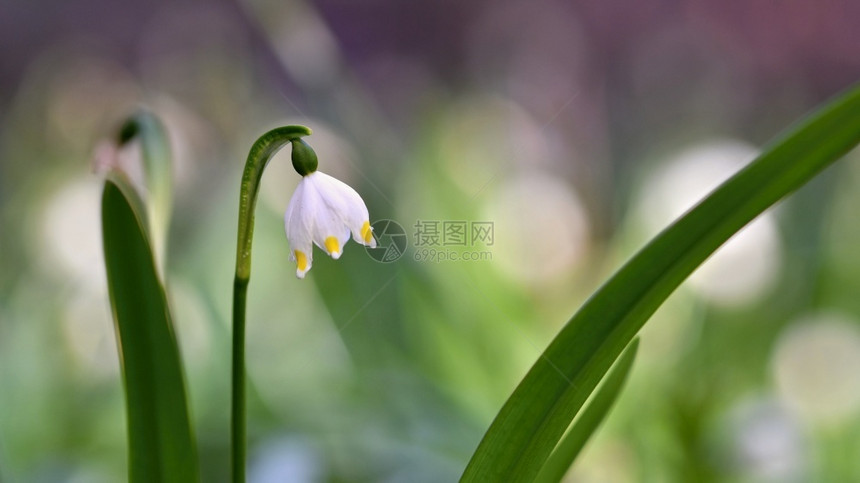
161, 446
589, 419
534, 418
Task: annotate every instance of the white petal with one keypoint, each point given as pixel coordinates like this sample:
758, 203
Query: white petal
329, 231
296, 224
349, 206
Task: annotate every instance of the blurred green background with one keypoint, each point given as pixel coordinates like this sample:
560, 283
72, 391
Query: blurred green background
578, 130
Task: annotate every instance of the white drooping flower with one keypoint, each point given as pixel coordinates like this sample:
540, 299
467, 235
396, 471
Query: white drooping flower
324, 211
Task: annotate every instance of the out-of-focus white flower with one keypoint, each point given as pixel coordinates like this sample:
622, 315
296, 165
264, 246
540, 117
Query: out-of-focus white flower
324, 211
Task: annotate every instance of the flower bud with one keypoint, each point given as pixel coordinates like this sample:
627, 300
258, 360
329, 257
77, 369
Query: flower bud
304, 157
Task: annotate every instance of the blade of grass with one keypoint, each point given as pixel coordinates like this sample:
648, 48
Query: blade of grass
535, 416
161, 445
587, 422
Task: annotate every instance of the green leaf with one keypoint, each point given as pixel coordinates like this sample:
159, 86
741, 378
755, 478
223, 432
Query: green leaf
161, 446
587, 422
535, 416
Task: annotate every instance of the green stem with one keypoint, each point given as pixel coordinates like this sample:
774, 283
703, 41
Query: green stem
238, 424
157, 166
261, 152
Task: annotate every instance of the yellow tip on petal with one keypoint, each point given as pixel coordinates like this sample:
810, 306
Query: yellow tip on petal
366, 232
301, 263
333, 247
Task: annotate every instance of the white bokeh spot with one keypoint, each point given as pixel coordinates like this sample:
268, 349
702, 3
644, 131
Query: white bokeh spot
746, 266
815, 365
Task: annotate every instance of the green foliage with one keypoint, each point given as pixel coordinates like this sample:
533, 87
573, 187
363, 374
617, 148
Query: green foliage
527, 440
161, 446
587, 422
536, 415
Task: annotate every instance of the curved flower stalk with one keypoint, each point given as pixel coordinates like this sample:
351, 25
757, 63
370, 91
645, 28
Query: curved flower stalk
146, 168
323, 211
